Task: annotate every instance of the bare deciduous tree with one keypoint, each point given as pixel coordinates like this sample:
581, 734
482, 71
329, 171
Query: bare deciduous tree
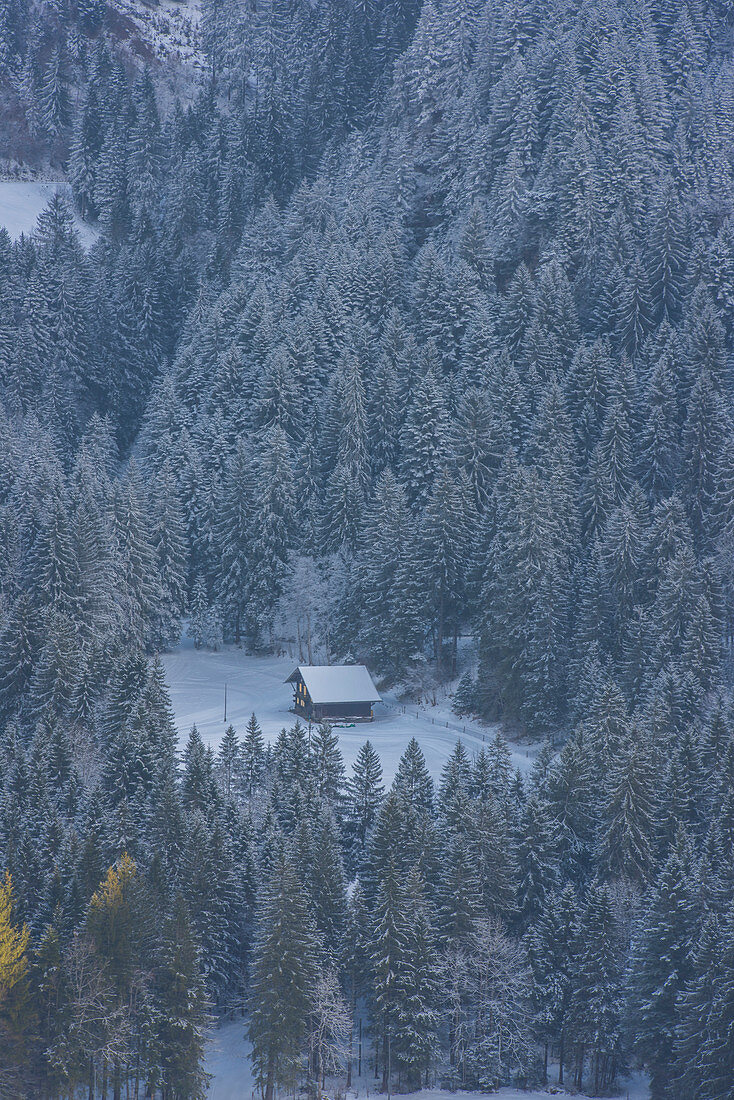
330, 1029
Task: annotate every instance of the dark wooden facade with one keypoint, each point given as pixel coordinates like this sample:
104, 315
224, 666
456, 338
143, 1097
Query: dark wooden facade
305, 708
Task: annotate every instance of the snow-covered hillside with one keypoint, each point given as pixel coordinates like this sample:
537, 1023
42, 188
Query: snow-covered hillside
167, 32
21, 201
197, 679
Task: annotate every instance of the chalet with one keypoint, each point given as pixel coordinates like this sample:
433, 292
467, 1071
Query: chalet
333, 692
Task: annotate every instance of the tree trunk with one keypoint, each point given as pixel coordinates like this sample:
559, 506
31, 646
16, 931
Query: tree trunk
439, 637
580, 1059
270, 1082
560, 1061
389, 1064
351, 1035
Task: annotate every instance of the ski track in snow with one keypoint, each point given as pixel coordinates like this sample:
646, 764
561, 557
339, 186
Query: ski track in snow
21, 201
197, 678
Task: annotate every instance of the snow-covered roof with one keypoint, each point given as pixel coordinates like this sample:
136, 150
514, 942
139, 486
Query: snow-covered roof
336, 683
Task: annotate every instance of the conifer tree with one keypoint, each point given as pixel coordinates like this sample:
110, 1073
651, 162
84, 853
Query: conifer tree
181, 1004
229, 761
54, 97
596, 994
628, 837
199, 788
413, 784
414, 1043
272, 535
550, 946
252, 756
15, 1005
704, 1013
663, 962
169, 543
199, 605
389, 949
284, 970
424, 439
233, 533
537, 858
444, 564
364, 797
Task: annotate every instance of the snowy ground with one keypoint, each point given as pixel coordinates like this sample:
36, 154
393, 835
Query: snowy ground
228, 1063
170, 29
197, 680
21, 201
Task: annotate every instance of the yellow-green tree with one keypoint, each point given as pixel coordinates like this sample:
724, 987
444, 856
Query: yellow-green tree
13, 945
15, 1004
114, 920
110, 919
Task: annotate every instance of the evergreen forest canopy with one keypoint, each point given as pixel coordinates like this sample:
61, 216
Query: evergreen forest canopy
415, 322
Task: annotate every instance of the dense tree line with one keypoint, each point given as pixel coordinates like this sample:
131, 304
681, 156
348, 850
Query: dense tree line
410, 324
482, 928
473, 372
475, 376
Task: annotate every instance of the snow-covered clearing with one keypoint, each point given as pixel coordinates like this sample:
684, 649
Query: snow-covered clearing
197, 680
228, 1061
21, 201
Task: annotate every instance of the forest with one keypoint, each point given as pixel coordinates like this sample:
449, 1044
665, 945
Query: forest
406, 324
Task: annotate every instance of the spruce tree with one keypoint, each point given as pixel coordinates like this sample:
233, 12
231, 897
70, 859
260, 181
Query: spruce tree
551, 946
229, 761
284, 971
663, 963
631, 818
596, 1001
233, 535
364, 797
181, 1010
705, 1009
252, 756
